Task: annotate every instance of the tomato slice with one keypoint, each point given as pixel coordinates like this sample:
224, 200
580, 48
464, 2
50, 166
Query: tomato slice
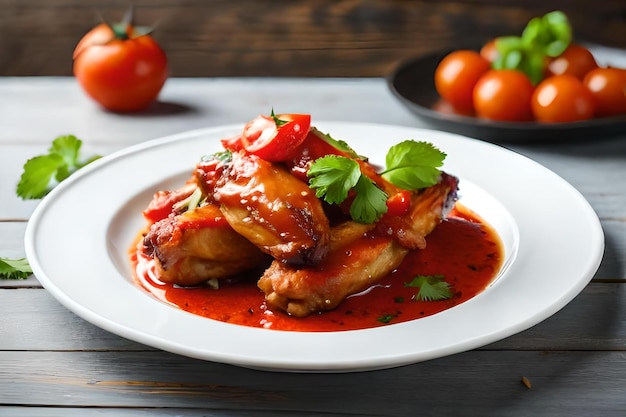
233, 144
275, 138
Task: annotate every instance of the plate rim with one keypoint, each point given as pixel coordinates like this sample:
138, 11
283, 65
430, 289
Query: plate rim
290, 364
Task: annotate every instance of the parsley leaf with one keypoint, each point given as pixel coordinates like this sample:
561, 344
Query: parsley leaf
413, 165
41, 173
333, 177
431, 287
14, 268
410, 165
369, 203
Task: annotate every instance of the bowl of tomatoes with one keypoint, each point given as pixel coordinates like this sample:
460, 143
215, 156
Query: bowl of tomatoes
540, 86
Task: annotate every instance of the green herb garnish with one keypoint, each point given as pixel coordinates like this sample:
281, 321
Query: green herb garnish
431, 288
333, 176
387, 318
413, 165
42, 173
545, 36
410, 165
14, 268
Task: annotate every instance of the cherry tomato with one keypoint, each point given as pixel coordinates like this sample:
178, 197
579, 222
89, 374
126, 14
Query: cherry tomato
124, 72
576, 60
503, 95
562, 98
275, 138
489, 51
608, 87
456, 75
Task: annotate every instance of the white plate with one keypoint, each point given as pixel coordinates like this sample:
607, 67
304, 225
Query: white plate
78, 237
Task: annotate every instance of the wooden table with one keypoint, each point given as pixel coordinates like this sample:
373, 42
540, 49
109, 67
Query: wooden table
53, 363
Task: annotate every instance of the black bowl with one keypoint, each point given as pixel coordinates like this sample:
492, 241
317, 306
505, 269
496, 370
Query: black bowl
413, 83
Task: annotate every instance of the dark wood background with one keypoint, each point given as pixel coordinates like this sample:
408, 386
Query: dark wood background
326, 38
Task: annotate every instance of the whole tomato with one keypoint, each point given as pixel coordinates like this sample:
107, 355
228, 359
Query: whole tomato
489, 51
456, 75
576, 60
120, 67
503, 95
562, 99
608, 87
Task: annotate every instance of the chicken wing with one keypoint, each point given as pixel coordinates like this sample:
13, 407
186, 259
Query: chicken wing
359, 256
198, 245
268, 206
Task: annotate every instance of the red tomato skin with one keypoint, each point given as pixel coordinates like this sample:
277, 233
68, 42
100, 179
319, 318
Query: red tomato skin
562, 99
121, 75
576, 60
489, 51
608, 87
263, 138
503, 95
456, 75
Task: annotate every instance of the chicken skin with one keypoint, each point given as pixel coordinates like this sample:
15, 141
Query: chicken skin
359, 256
268, 206
198, 245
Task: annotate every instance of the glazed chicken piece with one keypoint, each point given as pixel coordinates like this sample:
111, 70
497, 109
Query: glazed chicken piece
268, 206
199, 245
359, 256
351, 265
428, 207
164, 202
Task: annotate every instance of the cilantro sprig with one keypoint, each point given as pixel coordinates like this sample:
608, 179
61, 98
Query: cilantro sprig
545, 36
333, 176
42, 173
14, 268
431, 288
410, 165
413, 165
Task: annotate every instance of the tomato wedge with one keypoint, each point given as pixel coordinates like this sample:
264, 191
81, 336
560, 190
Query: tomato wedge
275, 138
232, 144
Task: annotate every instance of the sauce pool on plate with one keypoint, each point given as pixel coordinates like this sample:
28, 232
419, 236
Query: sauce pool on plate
463, 250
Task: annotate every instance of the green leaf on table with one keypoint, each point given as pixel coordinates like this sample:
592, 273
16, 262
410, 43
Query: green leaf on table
42, 173
14, 268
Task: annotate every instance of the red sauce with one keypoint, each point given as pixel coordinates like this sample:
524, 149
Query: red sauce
464, 249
